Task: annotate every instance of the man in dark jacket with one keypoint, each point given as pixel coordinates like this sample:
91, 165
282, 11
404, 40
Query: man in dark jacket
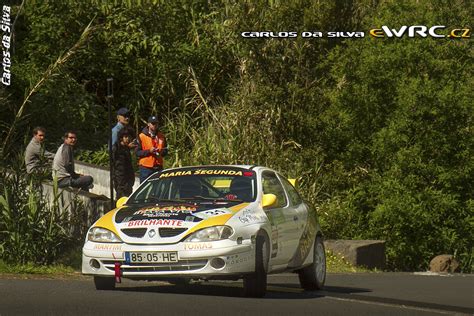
124, 177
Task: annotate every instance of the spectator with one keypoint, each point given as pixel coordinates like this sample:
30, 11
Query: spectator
124, 177
35, 154
151, 149
63, 165
123, 119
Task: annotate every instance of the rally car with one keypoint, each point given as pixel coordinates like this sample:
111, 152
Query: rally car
207, 223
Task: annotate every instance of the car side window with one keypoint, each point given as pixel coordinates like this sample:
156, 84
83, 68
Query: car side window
271, 184
293, 195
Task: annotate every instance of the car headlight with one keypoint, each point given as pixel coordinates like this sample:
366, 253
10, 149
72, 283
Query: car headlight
99, 234
211, 234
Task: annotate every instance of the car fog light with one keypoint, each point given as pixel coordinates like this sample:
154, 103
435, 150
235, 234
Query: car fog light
94, 264
217, 263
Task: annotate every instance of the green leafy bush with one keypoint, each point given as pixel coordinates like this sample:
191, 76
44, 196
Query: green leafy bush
32, 228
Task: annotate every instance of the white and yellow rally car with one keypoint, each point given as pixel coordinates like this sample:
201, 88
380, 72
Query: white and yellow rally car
207, 223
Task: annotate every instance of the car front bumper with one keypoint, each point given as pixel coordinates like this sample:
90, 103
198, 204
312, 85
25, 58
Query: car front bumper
195, 260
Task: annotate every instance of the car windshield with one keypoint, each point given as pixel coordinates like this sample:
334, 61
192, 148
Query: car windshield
201, 185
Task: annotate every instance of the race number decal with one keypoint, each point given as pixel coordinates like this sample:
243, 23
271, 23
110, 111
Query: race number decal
211, 213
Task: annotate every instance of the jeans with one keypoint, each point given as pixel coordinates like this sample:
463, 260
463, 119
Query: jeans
146, 172
82, 182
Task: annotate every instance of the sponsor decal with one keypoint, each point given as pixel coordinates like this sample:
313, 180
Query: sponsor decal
219, 172
249, 216
237, 259
274, 241
307, 238
176, 174
165, 211
197, 246
110, 247
156, 222
201, 172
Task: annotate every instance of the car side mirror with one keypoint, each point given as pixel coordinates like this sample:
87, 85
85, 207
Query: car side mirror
268, 200
121, 201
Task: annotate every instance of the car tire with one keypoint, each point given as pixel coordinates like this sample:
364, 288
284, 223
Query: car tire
104, 283
255, 284
312, 277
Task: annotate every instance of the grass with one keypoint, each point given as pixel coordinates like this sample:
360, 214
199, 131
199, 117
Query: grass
338, 264
31, 268
68, 265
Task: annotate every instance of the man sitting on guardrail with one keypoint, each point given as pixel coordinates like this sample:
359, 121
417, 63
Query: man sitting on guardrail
63, 165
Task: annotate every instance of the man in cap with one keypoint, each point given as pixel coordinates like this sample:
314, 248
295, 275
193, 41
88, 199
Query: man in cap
123, 119
151, 149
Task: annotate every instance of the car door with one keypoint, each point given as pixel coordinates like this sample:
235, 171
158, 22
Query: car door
297, 207
282, 219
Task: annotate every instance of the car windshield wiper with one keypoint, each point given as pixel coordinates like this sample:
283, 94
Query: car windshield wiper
157, 200
204, 199
171, 200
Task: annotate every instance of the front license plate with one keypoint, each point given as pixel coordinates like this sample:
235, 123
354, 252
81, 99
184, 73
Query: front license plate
151, 257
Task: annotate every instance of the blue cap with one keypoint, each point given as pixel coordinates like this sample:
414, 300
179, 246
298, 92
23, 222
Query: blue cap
123, 111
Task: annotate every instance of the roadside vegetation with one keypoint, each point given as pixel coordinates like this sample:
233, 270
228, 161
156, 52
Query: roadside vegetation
377, 131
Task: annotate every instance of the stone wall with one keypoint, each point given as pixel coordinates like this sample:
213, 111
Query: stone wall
364, 253
101, 177
84, 208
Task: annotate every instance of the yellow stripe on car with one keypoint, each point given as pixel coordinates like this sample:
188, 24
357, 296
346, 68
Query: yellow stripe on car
238, 207
107, 221
217, 220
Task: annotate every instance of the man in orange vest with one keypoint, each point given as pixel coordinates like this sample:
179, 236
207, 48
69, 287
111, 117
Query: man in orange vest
151, 149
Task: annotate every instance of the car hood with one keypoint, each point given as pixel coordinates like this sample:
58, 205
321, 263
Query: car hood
165, 223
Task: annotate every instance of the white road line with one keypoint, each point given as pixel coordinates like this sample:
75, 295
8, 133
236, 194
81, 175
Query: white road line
334, 296
441, 312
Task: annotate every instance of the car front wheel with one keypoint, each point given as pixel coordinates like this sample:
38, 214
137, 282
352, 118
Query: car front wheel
104, 283
255, 284
313, 276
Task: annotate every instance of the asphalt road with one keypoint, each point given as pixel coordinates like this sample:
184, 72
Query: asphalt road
344, 294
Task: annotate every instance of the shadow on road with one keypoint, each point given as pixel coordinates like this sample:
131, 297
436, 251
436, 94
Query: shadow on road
282, 291
234, 289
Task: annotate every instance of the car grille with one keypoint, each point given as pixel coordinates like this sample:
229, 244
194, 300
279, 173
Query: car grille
182, 265
170, 232
164, 232
134, 232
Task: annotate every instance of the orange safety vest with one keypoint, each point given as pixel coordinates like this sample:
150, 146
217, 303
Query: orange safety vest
148, 142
